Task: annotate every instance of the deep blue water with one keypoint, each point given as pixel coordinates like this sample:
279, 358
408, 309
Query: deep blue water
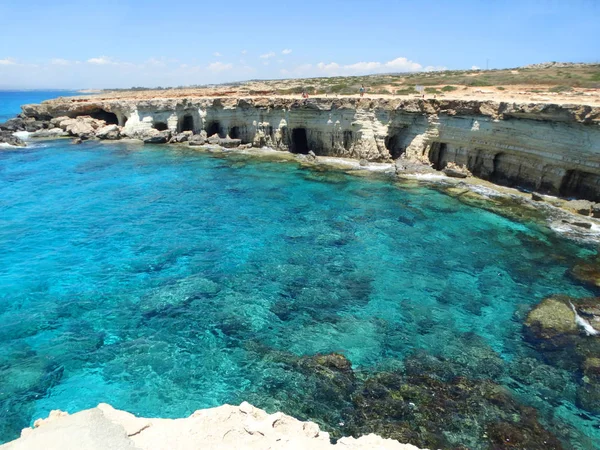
11, 101
139, 276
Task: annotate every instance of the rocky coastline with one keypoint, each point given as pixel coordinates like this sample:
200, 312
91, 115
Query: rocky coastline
549, 148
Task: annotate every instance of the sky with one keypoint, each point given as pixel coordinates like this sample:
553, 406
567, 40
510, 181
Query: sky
77, 44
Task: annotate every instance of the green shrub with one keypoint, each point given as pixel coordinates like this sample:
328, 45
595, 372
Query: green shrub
449, 88
406, 91
501, 88
560, 89
478, 82
430, 90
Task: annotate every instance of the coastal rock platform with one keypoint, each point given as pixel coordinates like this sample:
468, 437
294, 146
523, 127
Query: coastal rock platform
225, 427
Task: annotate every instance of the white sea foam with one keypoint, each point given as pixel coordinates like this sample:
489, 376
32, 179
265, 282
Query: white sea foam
425, 176
587, 327
24, 135
5, 145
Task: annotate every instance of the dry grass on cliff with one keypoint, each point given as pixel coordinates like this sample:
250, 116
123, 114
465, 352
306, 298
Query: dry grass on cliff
555, 82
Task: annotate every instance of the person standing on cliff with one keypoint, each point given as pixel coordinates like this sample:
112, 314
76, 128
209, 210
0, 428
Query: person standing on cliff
362, 90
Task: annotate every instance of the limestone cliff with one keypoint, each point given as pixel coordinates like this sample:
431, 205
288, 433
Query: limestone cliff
547, 147
225, 427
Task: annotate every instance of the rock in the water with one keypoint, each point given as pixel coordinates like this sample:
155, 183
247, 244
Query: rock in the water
77, 141
197, 139
84, 126
551, 321
214, 139
156, 137
363, 163
537, 197
16, 124
229, 143
50, 133
180, 137
583, 207
6, 137
587, 225
456, 171
110, 132
587, 272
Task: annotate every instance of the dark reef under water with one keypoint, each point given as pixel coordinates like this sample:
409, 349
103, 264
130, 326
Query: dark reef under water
164, 280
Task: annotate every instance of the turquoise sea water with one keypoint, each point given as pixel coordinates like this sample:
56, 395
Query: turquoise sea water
11, 101
146, 277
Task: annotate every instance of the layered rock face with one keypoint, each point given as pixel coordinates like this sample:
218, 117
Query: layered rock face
546, 147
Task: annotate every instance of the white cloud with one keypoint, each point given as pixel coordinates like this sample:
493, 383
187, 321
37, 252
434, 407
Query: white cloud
60, 62
396, 65
217, 54
219, 67
156, 62
7, 62
267, 55
286, 51
475, 68
244, 52
435, 68
102, 60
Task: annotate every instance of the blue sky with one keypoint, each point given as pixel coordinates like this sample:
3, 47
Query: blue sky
108, 43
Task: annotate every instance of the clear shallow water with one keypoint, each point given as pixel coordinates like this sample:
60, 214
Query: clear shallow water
145, 277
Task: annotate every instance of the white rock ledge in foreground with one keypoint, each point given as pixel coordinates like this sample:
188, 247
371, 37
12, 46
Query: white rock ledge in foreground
225, 427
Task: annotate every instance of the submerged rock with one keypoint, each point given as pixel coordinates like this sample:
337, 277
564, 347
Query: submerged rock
587, 273
459, 413
567, 332
423, 404
552, 321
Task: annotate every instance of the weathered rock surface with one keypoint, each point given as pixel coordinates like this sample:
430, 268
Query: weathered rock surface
157, 137
49, 133
84, 126
225, 427
110, 132
6, 137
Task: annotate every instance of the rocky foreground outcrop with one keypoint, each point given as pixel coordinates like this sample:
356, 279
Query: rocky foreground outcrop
225, 427
566, 331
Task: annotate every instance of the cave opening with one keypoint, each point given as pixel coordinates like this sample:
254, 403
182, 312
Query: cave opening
213, 128
437, 155
161, 126
234, 133
108, 117
348, 139
299, 141
187, 123
395, 142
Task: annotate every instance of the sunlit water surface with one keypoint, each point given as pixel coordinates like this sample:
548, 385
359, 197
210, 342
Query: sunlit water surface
138, 275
